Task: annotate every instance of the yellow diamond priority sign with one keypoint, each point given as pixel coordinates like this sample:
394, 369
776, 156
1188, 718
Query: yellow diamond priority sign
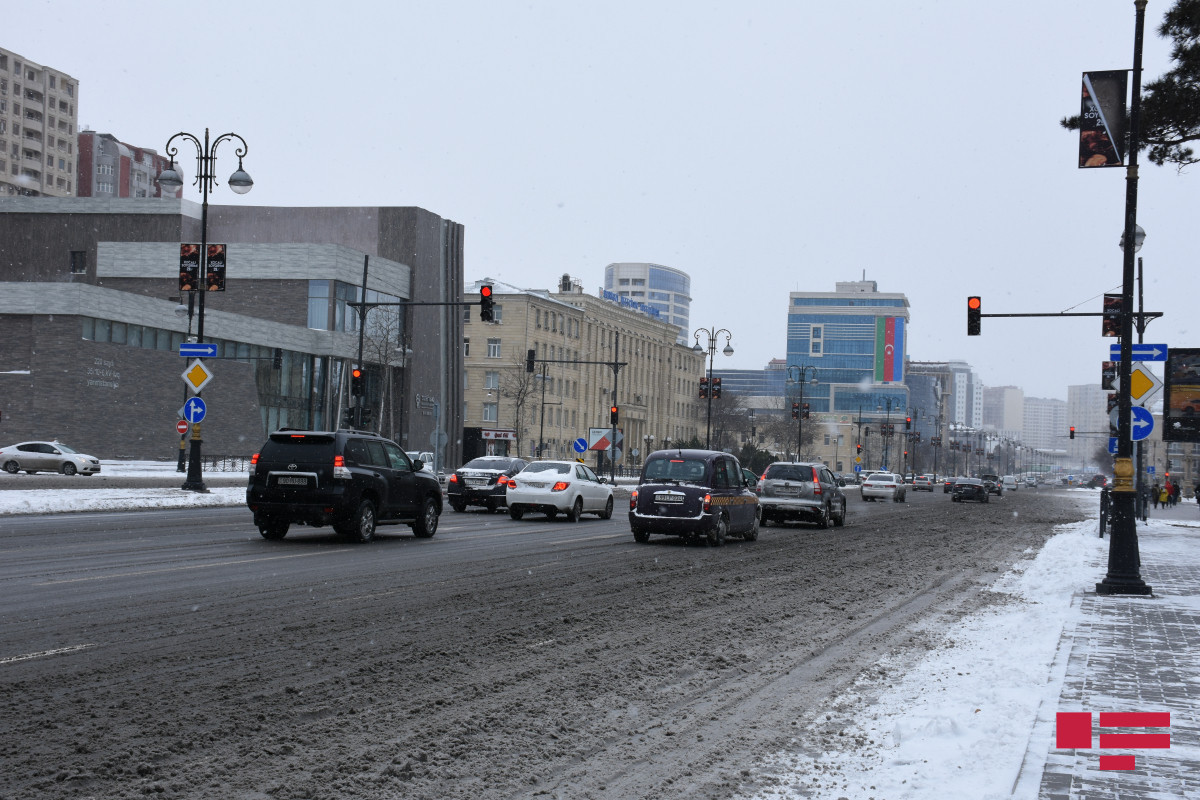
197, 376
1143, 384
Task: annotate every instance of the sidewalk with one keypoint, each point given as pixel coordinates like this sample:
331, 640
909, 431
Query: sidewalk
1142, 654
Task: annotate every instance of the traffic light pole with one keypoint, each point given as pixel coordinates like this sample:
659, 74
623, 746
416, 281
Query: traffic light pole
614, 365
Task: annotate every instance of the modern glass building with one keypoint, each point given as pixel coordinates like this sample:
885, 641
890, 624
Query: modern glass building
855, 338
664, 292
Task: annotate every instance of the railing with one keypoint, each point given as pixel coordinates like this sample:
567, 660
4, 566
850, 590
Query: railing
225, 463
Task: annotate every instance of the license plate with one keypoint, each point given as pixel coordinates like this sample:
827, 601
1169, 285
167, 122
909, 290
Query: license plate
668, 497
292, 480
477, 482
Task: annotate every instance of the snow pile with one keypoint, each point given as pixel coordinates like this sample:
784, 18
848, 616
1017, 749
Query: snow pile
975, 714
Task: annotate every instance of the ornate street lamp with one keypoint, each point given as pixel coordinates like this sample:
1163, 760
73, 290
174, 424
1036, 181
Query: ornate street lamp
172, 180
712, 336
799, 380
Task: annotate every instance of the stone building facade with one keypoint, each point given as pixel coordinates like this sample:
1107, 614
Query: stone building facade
90, 317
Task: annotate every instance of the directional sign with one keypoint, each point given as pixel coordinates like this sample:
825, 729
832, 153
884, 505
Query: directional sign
198, 349
1112, 445
181, 427
580, 445
194, 410
1141, 423
197, 375
1141, 352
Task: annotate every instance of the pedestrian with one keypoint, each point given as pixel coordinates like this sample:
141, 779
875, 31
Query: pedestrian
1196, 492
1166, 493
1154, 493
1175, 495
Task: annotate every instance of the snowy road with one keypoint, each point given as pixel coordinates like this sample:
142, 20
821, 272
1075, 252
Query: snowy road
179, 652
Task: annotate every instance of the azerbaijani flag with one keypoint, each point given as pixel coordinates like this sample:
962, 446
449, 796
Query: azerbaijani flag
889, 349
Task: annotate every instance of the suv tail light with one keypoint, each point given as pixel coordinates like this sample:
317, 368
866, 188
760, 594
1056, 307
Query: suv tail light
816, 481
253, 459
707, 503
633, 500
340, 470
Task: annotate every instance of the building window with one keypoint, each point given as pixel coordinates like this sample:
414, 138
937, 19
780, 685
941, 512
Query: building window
318, 305
491, 380
466, 347
467, 315
493, 348
78, 262
497, 313
815, 340
489, 412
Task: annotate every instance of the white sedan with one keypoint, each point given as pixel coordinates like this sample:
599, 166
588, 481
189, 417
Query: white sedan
883, 486
55, 456
559, 486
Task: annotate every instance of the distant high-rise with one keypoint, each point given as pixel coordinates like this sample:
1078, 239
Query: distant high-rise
38, 114
110, 168
665, 289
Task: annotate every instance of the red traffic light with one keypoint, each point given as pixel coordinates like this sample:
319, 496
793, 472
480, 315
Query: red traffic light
356, 373
973, 303
485, 291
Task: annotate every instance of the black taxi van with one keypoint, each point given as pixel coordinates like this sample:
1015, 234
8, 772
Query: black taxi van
693, 494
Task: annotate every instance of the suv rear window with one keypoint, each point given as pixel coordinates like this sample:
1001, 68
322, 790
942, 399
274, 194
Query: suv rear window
789, 472
298, 447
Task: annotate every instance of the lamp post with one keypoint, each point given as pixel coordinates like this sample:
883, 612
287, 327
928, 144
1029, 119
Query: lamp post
801, 377
648, 441
172, 180
712, 336
887, 432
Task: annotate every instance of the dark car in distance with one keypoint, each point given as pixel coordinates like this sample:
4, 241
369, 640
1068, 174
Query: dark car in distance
693, 494
969, 489
350, 479
483, 482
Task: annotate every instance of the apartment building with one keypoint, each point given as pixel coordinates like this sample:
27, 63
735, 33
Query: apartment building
38, 124
108, 167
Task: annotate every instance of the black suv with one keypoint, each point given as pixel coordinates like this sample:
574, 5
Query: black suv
352, 480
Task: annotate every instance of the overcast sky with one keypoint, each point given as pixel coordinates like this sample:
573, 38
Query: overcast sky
762, 147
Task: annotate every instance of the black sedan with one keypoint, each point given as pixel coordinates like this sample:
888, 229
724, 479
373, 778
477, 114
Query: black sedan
969, 489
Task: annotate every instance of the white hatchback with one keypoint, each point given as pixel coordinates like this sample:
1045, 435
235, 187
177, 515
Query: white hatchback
554, 487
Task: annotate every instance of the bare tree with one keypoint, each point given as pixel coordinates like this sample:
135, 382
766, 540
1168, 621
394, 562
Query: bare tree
517, 385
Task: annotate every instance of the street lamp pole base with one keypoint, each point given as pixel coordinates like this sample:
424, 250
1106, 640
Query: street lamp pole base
1124, 560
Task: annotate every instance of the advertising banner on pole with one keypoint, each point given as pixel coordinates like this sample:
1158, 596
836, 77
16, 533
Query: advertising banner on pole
189, 267
1102, 119
214, 280
1181, 396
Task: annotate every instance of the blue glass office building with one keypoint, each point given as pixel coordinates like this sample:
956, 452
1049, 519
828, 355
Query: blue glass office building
665, 292
855, 338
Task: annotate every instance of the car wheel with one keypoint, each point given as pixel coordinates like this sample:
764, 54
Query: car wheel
363, 527
273, 529
904, 497
766, 521
551, 513
985, 499
458, 506
840, 519
641, 536
608, 509
491, 506
953, 498
823, 520
716, 534
12, 467
752, 534
426, 525
576, 510
68, 468
516, 512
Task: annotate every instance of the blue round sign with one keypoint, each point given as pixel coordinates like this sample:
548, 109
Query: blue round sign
580, 445
194, 410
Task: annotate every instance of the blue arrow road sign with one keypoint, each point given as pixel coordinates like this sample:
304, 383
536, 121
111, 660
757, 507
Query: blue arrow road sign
1141, 423
1141, 352
198, 349
194, 410
580, 445
1112, 445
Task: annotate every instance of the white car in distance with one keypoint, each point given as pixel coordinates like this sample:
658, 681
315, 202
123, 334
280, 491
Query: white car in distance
884, 486
554, 487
